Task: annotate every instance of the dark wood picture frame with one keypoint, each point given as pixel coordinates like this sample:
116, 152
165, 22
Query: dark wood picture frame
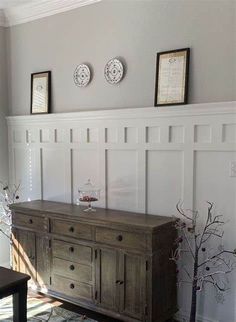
40, 99
172, 54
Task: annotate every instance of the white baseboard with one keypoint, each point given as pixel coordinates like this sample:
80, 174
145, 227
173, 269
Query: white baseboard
183, 316
5, 264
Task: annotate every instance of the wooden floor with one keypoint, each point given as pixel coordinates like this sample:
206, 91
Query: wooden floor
74, 308
77, 309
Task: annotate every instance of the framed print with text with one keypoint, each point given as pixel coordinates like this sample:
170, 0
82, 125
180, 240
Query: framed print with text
172, 71
40, 92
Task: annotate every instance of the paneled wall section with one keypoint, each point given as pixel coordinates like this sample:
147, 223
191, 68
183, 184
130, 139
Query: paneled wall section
143, 159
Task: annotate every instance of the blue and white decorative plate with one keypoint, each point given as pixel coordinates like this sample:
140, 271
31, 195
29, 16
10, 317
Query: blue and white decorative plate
82, 75
114, 71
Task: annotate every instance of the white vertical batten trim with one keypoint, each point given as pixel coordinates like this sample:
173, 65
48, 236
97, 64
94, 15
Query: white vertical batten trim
37, 10
194, 128
2, 18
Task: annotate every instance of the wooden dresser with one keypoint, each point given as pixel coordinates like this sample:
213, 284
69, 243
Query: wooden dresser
113, 262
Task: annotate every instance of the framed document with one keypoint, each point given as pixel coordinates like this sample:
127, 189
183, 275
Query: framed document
40, 92
172, 77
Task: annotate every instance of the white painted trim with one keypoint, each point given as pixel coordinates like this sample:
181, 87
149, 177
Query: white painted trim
2, 18
130, 113
184, 317
5, 264
55, 153
37, 10
2, 115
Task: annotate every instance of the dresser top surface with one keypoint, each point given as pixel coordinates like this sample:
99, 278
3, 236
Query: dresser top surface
101, 215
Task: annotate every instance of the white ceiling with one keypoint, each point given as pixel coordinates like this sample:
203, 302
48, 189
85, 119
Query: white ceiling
12, 3
13, 12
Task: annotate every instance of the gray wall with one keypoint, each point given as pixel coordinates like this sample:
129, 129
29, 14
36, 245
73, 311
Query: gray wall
4, 248
135, 31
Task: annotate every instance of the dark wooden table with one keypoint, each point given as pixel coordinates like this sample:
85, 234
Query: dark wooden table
14, 283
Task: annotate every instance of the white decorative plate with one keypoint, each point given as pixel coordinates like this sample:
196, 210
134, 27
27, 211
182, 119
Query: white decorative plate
114, 71
82, 75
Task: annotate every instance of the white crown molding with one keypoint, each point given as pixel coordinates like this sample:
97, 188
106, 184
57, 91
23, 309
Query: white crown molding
2, 18
37, 10
189, 110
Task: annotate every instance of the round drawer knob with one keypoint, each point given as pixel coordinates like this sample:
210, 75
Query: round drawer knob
72, 267
30, 221
119, 237
72, 286
71, 249
71, 229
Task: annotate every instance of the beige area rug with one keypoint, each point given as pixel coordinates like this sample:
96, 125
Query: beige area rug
39, 310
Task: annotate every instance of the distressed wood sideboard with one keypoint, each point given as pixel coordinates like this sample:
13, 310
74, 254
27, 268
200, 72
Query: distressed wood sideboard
113, 262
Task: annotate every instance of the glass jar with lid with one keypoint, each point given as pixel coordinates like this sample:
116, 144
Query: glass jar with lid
89, 193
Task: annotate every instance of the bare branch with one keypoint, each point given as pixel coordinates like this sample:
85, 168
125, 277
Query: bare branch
216, 284
187, 273
189, 245
207, 222
3, 232
219, 261
211, 232
216, 264
217, 255
216, 273
181, 211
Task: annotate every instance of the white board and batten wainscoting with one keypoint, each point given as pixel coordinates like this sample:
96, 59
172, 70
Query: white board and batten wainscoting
144, 160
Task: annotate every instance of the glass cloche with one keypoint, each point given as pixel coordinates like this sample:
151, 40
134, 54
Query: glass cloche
89, 193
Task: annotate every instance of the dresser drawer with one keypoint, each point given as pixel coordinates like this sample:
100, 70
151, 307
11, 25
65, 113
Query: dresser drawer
75, 271
32, 222
72, 252
120, 238
72, 229
72, 288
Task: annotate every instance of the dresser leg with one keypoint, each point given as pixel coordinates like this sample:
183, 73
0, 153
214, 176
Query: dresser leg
20, 304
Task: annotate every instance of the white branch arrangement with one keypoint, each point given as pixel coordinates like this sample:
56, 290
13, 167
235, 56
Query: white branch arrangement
8, 195
208, 266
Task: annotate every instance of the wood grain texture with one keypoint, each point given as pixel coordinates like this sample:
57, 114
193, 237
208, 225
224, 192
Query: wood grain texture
102, 217
31, 222
107, 270
72, 252
72, 229
43, 259
75, 271
121, 238
15, 250
27, 254
113, 262
72, 288
133, 276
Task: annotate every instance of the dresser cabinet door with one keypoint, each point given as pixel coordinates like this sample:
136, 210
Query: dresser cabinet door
121, 282
132, 285
107, 270
31, 255
43, 251
14, 250
27, 254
